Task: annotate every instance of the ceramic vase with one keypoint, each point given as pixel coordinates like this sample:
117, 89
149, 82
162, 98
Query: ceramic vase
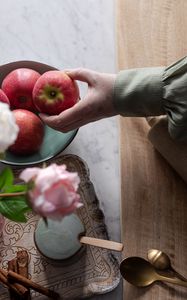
59, 240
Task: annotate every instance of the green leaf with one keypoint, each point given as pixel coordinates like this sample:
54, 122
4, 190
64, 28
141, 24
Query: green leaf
16, 188
14, 208
6, 178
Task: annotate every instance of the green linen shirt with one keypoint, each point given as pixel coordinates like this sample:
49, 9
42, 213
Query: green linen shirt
155, 91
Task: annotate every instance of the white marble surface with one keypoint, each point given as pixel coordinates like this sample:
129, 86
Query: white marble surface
69, 34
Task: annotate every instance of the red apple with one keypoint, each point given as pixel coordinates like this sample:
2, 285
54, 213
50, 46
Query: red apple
18, 86
54, 92
31, 132
3, 97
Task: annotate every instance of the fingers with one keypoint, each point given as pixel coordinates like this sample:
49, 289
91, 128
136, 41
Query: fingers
76, 125
51, 121
81, 74
68, 118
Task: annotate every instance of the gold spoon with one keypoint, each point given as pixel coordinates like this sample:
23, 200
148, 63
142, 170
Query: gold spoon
161, 261
141, 273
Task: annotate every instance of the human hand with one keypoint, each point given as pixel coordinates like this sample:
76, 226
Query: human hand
97, 103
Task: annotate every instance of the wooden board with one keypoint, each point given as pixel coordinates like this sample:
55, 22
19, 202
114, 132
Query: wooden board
153, 196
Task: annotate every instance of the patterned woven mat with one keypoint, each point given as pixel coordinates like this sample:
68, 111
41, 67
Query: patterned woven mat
92, 271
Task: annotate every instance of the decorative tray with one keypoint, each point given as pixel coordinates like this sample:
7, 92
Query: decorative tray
92, 271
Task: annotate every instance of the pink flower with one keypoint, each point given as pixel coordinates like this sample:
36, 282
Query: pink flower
54, 193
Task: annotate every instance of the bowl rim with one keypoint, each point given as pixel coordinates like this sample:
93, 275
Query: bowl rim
4, 161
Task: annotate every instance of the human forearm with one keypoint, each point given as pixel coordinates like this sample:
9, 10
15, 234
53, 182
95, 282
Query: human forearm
138, 92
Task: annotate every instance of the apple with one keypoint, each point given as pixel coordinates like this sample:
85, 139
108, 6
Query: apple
31, 132
18, 86
3, 97
54, 92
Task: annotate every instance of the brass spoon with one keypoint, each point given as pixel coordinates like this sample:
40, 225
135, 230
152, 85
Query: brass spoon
161, 261
141, 273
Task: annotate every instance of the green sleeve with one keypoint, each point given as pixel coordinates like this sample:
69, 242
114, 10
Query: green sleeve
138, 92
155, 91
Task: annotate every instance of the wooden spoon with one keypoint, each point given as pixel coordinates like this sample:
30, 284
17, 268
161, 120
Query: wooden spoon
111, 245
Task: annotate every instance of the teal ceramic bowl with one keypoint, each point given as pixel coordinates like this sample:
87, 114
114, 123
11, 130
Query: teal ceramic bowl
54, 141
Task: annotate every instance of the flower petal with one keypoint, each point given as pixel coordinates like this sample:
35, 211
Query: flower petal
29, 173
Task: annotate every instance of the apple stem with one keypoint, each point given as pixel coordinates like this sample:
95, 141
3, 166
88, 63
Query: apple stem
12, 194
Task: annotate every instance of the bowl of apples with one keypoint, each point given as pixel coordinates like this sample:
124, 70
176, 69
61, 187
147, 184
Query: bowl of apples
31, 88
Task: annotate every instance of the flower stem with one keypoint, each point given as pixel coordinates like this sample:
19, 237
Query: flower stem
12, 194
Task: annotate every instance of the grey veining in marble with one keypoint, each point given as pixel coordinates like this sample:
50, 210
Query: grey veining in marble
69, 34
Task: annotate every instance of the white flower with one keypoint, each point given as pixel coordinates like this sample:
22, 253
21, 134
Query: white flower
8, 127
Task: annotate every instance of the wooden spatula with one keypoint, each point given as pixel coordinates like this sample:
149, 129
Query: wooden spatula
111, 245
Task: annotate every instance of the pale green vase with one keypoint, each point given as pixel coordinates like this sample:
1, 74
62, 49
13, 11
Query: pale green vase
59, 240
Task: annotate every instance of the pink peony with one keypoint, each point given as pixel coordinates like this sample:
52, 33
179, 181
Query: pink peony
54, 193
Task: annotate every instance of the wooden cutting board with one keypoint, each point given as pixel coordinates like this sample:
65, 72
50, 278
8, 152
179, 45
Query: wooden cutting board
153, 196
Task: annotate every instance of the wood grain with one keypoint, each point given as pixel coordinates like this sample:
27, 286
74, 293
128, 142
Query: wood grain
153, 196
